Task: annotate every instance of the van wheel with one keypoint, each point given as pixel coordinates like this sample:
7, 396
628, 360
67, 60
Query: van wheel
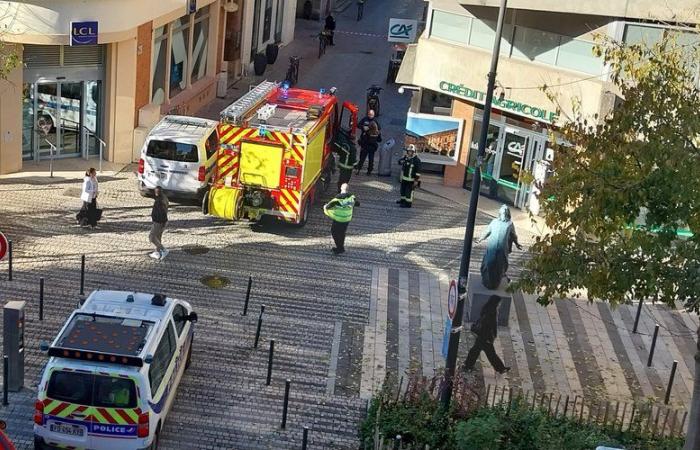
205, 203
188, 361
156, 440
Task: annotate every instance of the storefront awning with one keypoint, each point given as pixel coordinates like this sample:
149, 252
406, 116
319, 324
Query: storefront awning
405, 75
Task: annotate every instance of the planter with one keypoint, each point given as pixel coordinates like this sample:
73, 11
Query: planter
259, 64
271, 53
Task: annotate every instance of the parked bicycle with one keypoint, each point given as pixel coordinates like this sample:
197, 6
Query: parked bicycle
293, 70
373, 99
323, 40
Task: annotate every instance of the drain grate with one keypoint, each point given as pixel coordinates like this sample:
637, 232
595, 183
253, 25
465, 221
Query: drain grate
195, 249
215, 281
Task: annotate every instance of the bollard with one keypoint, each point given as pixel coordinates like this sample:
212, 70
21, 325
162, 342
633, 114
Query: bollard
257, 332
670, 382
305, 438
82, 275
287, 385
41, 298
653, 345
5, 379
9, 260
269, 362
639, 313
247, 296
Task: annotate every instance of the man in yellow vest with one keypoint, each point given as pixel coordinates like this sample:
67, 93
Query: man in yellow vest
339, 209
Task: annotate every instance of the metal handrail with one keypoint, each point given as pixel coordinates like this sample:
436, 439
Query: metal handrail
102, 145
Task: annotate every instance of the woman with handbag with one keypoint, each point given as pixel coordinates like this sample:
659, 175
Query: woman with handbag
486, 329
89, 214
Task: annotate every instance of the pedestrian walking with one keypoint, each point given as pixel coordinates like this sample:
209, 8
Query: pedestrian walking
159, 216
347, 160
360, 9
339, 209
89, 215
486, 328
410, 176
370, 137
330, 28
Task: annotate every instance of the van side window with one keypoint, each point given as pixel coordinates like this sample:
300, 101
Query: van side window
212, 144
179, 318
162, 358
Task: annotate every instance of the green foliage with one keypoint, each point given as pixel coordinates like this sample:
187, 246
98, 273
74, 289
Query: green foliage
624, 185
497, 428
9, 59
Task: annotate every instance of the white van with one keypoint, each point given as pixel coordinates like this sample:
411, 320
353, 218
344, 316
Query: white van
179, 155
113, 371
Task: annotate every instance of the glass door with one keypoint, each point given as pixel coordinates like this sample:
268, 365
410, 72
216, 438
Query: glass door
487, 169
28, 121
510, 164
71, 104
92, 117
47, 119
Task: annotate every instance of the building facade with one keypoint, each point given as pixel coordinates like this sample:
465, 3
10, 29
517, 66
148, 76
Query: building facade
543, 43
97, 78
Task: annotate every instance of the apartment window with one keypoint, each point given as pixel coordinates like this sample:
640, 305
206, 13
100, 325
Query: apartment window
200, 39
451, 27
483, 33
578, 55
178, 55
536, 45
158, 71
639, 34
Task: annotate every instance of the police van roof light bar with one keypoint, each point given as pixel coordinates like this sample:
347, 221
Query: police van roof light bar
72, 353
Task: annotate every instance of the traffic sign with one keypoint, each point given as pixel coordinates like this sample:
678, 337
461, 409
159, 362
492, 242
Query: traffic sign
3, 246
452, 300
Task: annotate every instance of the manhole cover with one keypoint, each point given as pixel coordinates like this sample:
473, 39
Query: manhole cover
215, 281
367, 52
195, 249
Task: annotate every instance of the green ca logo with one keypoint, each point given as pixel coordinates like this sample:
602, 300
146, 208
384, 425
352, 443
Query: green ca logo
401, 31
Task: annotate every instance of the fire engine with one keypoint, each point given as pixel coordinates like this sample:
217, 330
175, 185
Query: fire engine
275, 152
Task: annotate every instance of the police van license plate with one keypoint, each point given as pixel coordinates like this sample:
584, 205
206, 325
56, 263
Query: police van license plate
64, 428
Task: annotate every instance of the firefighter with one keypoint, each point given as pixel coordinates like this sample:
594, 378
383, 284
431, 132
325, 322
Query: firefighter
347, 160
339, 209
410, 176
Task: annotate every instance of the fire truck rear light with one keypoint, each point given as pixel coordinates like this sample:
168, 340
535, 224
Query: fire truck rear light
202, 173
141, 166
144, 425
39, 412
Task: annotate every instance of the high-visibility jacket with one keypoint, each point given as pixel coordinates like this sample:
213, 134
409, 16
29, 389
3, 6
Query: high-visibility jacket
410, 168
340, 208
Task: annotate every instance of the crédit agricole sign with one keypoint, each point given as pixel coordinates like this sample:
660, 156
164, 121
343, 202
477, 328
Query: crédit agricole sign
534, 112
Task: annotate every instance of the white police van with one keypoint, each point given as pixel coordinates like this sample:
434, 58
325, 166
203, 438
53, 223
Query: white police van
113, 371
179, 156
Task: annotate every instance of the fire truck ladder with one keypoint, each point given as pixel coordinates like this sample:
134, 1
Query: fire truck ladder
235, 112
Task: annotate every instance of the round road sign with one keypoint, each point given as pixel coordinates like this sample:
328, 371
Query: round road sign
3, 246
452, 300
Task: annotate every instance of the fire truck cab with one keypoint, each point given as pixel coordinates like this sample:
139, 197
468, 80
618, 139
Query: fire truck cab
275, 152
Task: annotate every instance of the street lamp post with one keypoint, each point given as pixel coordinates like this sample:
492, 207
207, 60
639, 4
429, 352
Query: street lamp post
446, 393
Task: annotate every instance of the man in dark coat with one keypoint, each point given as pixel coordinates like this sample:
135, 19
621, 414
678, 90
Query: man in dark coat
370, 137
330, 28
486, 329
159, 216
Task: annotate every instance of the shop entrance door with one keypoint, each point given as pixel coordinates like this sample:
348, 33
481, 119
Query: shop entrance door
69, 112
513, 153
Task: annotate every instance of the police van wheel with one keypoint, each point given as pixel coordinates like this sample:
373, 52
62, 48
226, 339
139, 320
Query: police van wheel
205, 203
188, 361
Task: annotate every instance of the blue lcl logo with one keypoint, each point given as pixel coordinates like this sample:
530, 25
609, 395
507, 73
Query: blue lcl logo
83, 33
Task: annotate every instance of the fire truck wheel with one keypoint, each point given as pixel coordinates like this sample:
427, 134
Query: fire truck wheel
205, 203
304, 214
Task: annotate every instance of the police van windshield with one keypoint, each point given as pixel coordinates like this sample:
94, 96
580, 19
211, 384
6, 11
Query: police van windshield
92, 390
172, 151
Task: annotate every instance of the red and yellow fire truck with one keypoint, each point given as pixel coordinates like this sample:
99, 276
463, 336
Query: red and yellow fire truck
274, 153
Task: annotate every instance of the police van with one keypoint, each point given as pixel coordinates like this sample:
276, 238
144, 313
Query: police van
178, 156
113, 371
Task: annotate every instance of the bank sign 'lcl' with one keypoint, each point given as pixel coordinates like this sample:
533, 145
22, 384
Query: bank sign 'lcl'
402, 30
83, 33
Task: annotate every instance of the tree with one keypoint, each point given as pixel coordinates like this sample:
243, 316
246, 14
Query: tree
9, 59
625, 188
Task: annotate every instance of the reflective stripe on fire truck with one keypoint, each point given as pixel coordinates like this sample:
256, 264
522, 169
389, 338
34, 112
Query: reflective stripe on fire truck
289, 201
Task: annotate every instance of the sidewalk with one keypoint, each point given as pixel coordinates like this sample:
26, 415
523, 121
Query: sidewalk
63, 170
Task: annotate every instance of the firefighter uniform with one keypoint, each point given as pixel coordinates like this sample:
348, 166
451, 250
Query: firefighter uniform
339, 209
346, 162
410, 177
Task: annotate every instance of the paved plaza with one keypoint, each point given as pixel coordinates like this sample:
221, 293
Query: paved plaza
341, 324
